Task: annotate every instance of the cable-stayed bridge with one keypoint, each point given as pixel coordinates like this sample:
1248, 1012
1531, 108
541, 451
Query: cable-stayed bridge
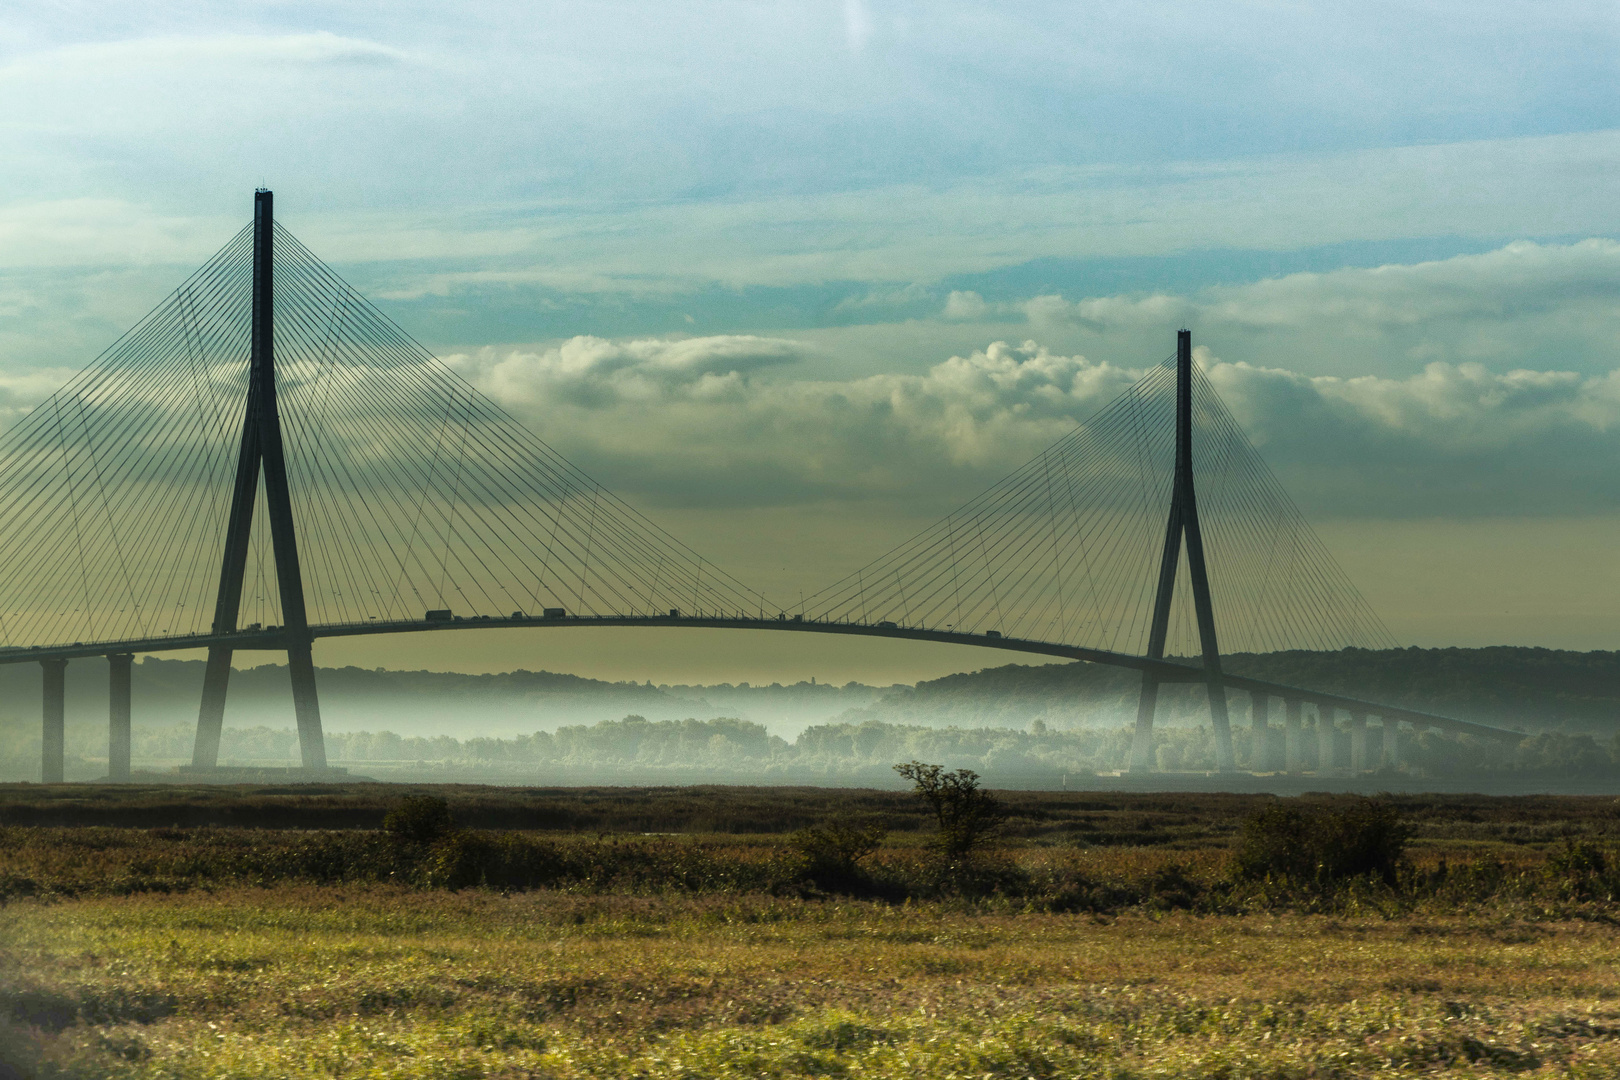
266, 460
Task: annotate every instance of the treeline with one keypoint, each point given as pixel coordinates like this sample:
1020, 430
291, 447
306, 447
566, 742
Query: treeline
162, 689
733, 749
1506, 686
1523, 688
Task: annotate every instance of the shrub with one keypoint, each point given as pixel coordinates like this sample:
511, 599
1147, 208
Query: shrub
965, 812
1322, 847
1581, 869
1169, 887
465, 858
830, 854
420, 819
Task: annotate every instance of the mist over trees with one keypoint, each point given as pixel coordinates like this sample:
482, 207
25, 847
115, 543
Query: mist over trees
1016, 725
635, 750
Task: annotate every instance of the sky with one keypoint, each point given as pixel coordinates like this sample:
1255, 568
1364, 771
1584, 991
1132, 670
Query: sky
798, 278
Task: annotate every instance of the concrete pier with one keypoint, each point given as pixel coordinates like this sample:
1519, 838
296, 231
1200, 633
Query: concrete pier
1325, 732
1260, 752
1391, 754
53, 736
1293, 737
118, 666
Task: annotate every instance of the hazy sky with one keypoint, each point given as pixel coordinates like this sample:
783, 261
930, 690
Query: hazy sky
814, 273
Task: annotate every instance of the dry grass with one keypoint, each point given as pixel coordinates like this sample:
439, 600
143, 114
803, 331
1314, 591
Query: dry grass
350, 981
1183, 820
221, 952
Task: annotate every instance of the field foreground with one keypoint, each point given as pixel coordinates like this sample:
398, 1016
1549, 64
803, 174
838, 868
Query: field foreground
371, 980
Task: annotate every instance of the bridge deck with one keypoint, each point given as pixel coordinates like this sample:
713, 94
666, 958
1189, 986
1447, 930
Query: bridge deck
1167, 670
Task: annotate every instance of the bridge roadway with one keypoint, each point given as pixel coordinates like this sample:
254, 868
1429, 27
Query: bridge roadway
1167, 670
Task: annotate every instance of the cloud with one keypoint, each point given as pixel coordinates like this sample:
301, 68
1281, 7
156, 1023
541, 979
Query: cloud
155, 116
857, 25
1483, 385
1553, 304
1510, 283
885, 297
100, 60
600, 220
82, 232
1456, 440
723, 421
593, 373
706, 420
887, 234
21, 393
965, 306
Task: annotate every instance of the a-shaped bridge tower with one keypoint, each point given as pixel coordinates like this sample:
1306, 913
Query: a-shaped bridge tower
262, 447
1183, 526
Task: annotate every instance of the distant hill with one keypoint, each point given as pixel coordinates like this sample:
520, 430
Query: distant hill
1508, 686
1504, 685
166, 691
1533, 689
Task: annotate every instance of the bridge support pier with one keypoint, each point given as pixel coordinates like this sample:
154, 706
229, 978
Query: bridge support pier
1325, 738
1142, 738
1293, 741
211, 714
306, 706
1225, 760
1260, 755
118, 739
1390, 753
1358, 743
53, 734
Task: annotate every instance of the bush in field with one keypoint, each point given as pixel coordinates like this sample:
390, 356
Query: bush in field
1169, 887
1580, 868
966, 813
420, 819
465, 858
1322, 847
830, 854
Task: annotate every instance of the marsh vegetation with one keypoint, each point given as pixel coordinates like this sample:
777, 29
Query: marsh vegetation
454, 933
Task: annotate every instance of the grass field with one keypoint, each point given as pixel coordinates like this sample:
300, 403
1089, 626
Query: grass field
1164, 968
383, 982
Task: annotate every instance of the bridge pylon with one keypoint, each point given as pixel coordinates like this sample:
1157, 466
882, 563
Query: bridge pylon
261, 447
1183, 525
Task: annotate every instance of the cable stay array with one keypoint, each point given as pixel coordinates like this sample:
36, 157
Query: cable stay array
265, 415
1067, 548
412, 492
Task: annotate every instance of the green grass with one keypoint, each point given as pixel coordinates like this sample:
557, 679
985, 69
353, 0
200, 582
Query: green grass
312, 982
263, 952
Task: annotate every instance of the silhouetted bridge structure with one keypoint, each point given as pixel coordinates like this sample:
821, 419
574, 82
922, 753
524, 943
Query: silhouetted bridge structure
267, 400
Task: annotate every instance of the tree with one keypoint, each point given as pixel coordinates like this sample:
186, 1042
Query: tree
966, 813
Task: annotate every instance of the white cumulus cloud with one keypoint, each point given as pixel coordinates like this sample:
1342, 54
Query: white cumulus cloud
728, 420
